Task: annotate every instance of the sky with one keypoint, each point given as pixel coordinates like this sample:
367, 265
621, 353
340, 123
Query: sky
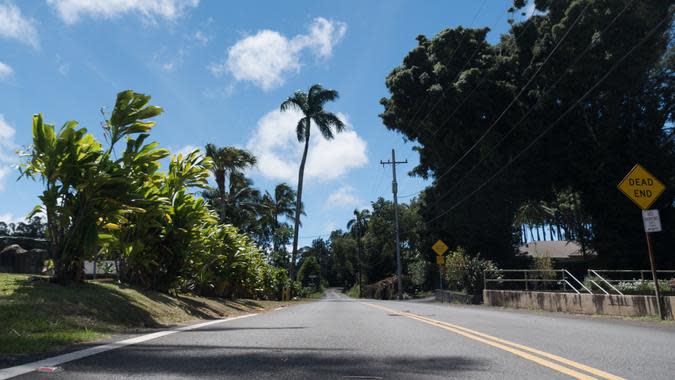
220, 70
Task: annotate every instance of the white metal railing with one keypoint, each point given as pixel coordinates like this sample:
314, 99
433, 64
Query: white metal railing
563, 278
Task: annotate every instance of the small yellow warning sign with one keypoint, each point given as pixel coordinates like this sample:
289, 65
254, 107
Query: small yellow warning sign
641, 187
439, 247
440, 260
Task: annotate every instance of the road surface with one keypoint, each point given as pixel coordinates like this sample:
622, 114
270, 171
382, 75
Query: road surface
341, 338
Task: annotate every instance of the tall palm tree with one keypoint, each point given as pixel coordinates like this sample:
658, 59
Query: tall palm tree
227, 161
358, 227
311, 105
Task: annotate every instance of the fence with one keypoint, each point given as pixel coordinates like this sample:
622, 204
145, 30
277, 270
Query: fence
554, 280
597, 281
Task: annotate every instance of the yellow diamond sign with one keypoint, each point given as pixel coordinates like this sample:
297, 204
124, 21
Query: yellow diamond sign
641, 187
439, 247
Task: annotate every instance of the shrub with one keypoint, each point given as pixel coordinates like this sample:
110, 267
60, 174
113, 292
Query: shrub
467, 273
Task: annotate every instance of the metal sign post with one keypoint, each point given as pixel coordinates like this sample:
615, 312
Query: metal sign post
643, 188
440, 248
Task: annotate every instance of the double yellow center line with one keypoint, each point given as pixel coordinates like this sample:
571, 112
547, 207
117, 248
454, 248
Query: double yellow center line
543, 358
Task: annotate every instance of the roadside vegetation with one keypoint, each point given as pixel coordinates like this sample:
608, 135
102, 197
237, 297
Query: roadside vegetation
40, 316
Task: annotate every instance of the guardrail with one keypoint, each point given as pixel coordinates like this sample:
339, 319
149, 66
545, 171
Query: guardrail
602, 281
532, 277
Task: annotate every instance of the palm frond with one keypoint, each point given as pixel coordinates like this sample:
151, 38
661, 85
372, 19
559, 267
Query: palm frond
298, 101
325, 121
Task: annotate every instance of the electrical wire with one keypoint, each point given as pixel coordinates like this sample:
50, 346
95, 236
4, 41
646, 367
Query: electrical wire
552, 125
531, 109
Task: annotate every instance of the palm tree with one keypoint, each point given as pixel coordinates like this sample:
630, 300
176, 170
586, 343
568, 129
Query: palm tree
311, 105
279, 204
226, 162
239, 204
358, 227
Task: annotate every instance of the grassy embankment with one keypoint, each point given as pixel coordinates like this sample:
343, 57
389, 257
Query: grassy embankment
37, 316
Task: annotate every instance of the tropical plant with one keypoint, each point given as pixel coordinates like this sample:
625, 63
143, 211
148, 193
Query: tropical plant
84, 188
467, 273
281, 204
228, 161
311, 105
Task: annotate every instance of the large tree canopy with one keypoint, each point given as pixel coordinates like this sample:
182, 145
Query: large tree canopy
571, 98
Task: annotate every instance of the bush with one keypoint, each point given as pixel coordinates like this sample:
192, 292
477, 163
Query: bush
418, 272
646, 287
466, 273
545, 271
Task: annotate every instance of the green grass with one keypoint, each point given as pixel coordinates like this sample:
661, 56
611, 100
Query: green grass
317, 295
39, 316
353, 292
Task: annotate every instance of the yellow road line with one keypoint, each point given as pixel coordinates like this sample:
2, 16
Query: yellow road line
514, 348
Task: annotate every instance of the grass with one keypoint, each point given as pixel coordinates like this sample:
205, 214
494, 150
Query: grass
38, 316
353, 292
317, 295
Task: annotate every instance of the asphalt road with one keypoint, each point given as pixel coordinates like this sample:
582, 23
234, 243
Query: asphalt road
340, 338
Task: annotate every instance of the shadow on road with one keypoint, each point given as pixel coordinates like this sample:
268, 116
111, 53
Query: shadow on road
257, 362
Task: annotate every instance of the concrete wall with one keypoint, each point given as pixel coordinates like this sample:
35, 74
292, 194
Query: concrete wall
628, 306
457, 297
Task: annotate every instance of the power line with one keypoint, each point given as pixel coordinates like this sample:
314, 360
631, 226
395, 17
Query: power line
483, 79
522, 90
459, 45
507, 107
531, 109
466, 98
552, 125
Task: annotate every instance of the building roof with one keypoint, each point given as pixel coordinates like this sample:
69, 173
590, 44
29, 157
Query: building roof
553, 249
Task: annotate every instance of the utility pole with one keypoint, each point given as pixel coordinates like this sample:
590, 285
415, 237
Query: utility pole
394, 190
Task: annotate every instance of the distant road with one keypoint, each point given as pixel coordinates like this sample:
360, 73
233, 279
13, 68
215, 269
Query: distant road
341, 338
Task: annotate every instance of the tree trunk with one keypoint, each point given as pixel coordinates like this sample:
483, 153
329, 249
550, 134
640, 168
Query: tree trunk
558, 234
220, 182
298, 202
275, 228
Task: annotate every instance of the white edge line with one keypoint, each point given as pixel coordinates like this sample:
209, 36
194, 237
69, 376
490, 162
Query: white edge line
69, 357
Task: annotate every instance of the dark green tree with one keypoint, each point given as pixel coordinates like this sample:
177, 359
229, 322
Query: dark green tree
474, 110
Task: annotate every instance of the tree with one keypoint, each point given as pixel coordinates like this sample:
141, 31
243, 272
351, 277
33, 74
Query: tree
311, 105
608, 82
275, 209
358, 227
227, 162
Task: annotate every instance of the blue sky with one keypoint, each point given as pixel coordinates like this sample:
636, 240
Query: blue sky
220, 70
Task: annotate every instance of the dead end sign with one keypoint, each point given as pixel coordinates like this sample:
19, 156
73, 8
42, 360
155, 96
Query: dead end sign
641, 187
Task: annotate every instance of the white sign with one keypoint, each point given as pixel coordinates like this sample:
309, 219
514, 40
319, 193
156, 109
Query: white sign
652, 220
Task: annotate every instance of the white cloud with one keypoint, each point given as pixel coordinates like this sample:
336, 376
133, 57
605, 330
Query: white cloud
62, 67
6, 71
219, 92
4, 172
200, 37
343, 197
8, 218
7, 147
14, 25
71, 11
275, 144
267, 56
